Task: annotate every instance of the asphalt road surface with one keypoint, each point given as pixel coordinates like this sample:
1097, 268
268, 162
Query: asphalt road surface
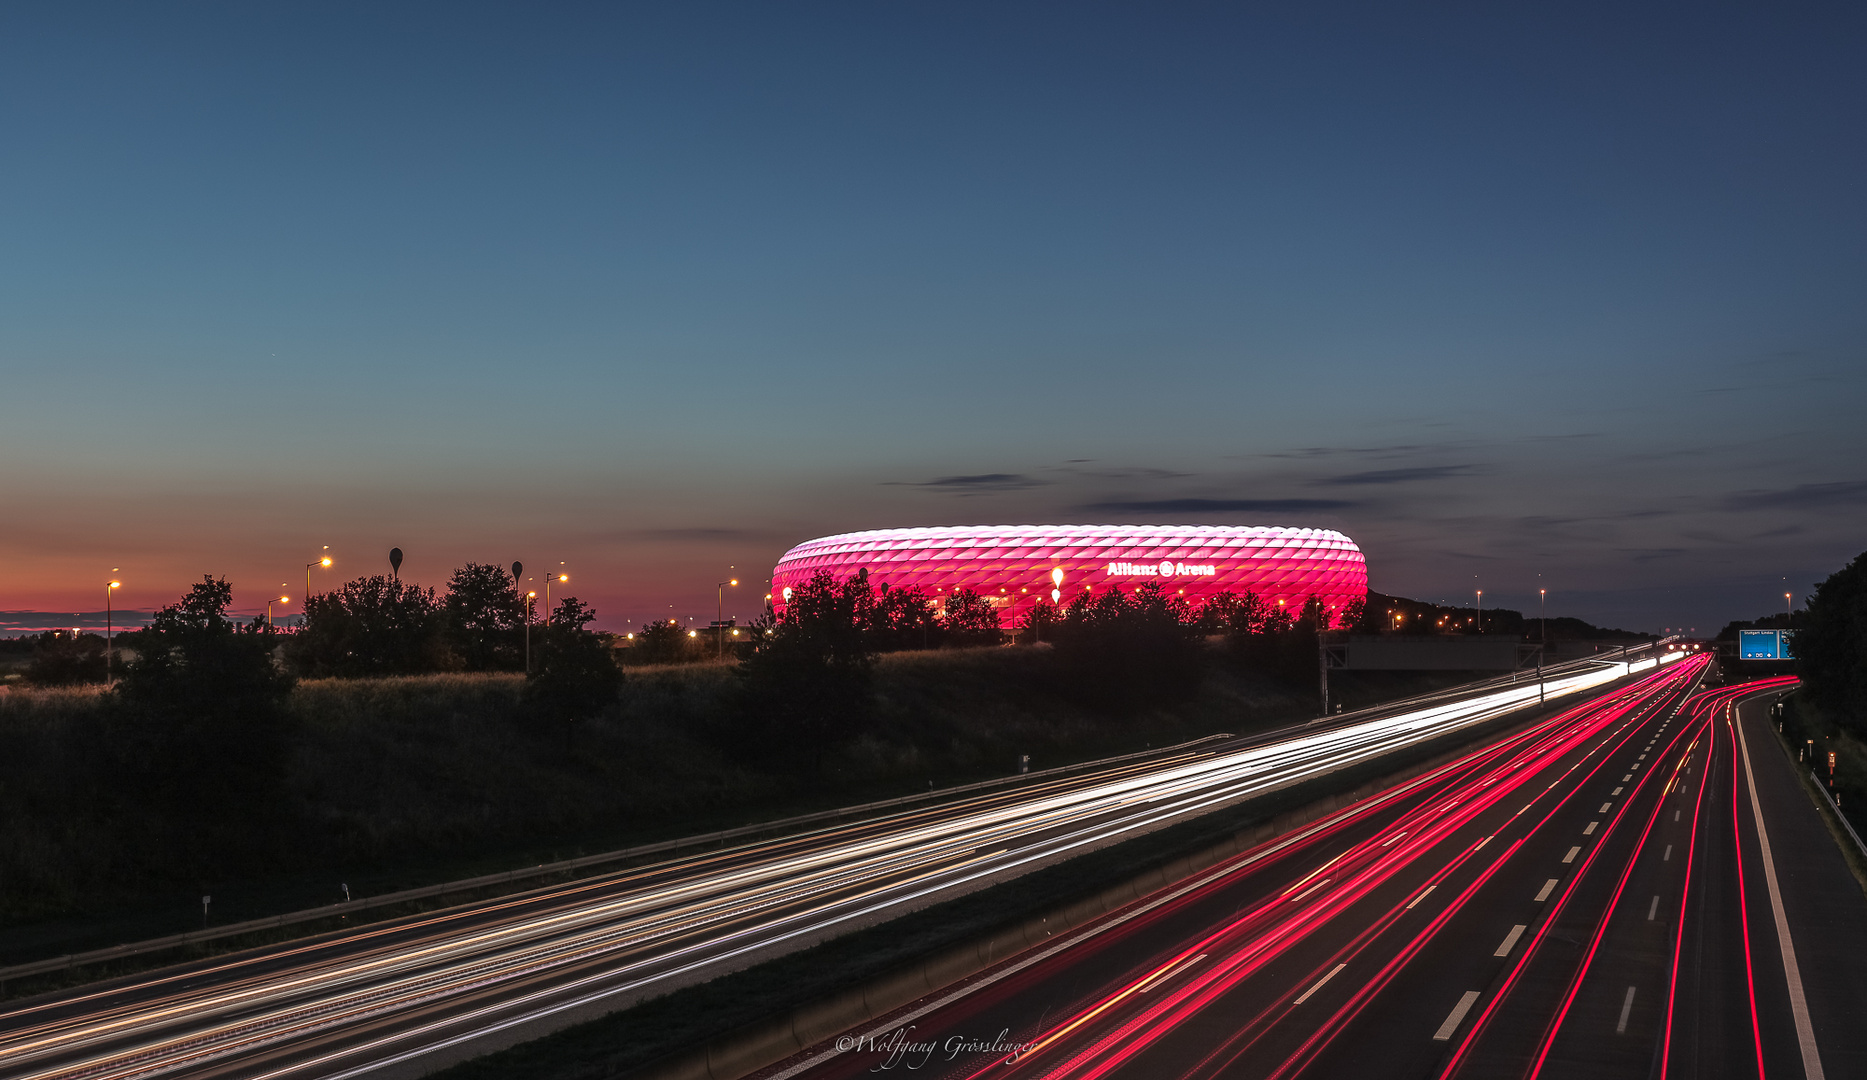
1592, 897
399, 997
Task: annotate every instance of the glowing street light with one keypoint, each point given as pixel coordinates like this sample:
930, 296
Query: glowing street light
324, 561
280, 599
108, 591
561, 577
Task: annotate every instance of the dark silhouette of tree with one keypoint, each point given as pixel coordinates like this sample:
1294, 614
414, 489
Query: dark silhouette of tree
663, 641
574, 673
204, 700
372, 626
903, 618
807, 687
59, 659
970, 619
1831, 646
485, 618
1124, 650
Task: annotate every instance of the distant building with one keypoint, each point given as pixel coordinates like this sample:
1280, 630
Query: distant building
1016, 566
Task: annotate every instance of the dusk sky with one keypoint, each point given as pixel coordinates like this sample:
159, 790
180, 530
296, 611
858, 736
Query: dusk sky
658, 290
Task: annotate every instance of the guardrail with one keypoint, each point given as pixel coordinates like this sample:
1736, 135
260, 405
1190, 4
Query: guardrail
1839, 816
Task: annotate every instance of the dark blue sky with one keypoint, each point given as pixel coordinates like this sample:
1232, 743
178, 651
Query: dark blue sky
657, 291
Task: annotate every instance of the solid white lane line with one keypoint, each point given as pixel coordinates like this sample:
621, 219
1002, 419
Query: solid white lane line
1333, 972
1668, 857
1422, 896
1590, 831
1653, 909
1510, 940
1573, 852
1798, 1001
1548, 887
1457, 1014
1627, 1006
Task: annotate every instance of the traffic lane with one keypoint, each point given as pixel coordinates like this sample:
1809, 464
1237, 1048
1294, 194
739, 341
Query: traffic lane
1553, 886
1822, 900
978, 1010
1075, 980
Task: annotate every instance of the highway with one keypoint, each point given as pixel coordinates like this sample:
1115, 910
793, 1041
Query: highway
1590, 897
404, 995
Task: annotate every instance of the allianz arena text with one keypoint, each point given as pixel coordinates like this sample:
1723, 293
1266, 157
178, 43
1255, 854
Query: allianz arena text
1018, 566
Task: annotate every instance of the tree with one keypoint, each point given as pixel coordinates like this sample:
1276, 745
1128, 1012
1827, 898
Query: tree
663, 641
574, 674
1831, 646
371, 626
205, 705
1126, 650
807, 687
903, 618
485, 618
60, 659
970, 619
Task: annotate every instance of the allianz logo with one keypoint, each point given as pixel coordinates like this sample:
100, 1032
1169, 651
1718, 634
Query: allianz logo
1164, 568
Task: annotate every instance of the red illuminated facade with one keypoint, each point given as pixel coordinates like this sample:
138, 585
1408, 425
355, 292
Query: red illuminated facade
1016, 566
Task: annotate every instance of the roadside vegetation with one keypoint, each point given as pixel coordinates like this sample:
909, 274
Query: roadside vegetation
396, 740
1828, 714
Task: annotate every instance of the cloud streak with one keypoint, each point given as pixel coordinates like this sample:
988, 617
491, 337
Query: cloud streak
1216, 506
1396, 476
1800, 497
976, 483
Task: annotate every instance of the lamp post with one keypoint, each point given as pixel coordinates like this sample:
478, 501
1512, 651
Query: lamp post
560, 577
529, 597
1542, 617
1788, 609
108, 591
324, 561
1481, 611
281, 599
719, 615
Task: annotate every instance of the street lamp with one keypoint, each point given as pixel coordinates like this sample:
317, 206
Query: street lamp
529, 597
719, 614
324, 561
1788, 609
108, 591
1481, 611
561, 577
281, 599
1542, 617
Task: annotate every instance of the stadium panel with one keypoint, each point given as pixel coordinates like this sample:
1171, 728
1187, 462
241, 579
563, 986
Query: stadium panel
1016, 566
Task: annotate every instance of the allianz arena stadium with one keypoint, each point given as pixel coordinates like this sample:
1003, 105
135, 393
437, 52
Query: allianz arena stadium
1016, 566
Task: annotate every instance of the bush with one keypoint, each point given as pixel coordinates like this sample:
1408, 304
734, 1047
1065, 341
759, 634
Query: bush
807, 687
1121, 650
575, 674
1831, 647
201, 717
372, 626
59, 659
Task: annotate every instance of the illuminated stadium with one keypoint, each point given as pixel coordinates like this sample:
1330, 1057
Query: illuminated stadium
1015, 566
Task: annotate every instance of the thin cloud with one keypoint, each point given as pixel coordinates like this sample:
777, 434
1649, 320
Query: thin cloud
1216, 506
1800, 497
975, 484
1396, 476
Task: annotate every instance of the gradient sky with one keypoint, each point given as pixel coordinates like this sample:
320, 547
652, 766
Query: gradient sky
1580, 294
